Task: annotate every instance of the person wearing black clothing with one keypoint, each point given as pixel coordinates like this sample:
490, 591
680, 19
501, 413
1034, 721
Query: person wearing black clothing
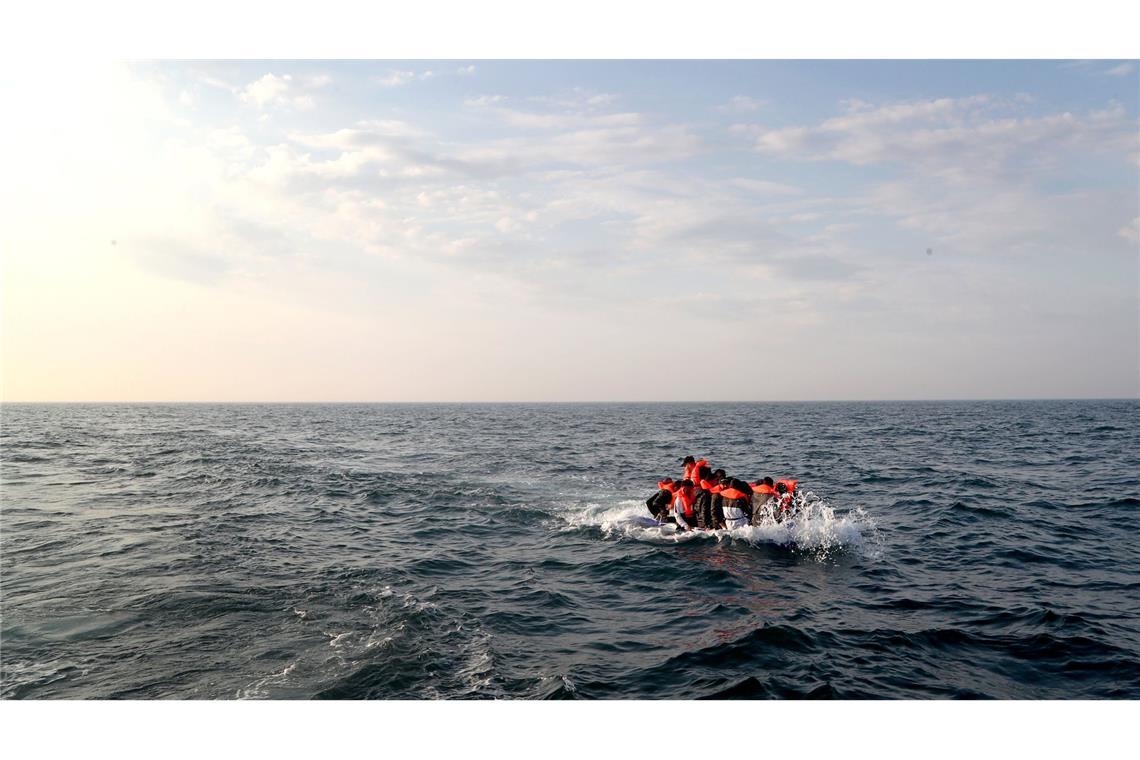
702, 504
660, 502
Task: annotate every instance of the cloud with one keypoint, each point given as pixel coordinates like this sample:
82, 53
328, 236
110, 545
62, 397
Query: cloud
398, 78
743, 104
1131, 231
1089, 66
553, 219
576, 99
229, 141
481, 101
395, 78
579, 110
282, 90
220, 84
603, 144
1122, 70
764, 187
363, 134
545, 190
266, 90
978, 135
383, 150
532, 120
467, 70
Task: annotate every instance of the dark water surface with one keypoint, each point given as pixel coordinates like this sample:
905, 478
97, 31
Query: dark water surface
416, 551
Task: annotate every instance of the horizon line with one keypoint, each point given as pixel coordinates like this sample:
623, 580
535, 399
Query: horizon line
610, 401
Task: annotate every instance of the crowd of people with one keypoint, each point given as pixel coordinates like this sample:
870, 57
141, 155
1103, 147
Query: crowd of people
708, 499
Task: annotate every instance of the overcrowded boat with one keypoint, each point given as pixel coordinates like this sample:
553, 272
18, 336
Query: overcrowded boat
708, 499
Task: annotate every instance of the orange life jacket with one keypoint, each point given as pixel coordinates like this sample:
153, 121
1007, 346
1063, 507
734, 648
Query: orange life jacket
732, 494
763, 489
685, 496
671, 486
691, 470
708, 486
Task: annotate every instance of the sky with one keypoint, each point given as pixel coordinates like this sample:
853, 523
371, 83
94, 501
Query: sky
570, 231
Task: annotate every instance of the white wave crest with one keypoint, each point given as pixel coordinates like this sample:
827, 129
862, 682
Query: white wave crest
814, 526
260, 689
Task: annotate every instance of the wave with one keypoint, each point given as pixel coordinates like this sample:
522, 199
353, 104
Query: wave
395, 645
262, 688
751, 688
815, 526
27, 679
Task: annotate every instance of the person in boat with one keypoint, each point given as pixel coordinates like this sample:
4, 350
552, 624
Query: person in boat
763, 491
660, 502
736, 503
691, 468
785, 492
683, 512
789, 485
705, 493
717, 500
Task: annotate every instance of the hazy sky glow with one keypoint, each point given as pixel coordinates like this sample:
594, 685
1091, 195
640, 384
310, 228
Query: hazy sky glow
526, 231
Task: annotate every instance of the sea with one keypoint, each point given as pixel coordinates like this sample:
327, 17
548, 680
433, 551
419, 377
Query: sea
940, 550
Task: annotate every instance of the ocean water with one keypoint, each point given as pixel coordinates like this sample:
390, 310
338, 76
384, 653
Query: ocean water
944, 550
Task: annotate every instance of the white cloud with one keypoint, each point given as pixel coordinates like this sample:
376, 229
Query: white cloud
217, 83
533, 120
388, 186
230, 139
368, 133
467, 70
265, 90
1122, 70
764, 187
281, 90
747, 130
971, 135
742, 104
617, 145
577, 99
1131, 232
484, 100
395, 78
579, 112
398, 78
